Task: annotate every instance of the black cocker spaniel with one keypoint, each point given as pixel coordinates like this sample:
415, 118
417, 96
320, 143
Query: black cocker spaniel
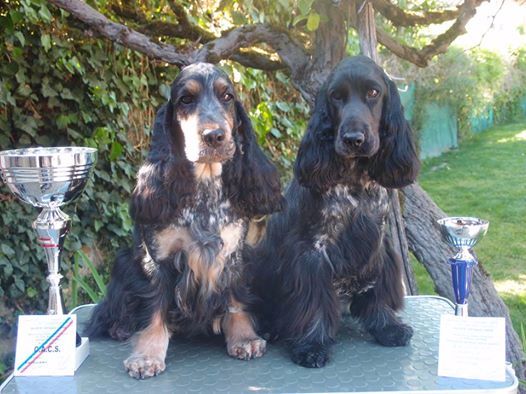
204, 178
328, 248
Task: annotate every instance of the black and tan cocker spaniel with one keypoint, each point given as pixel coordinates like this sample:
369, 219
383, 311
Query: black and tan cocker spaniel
204, 178
328, 248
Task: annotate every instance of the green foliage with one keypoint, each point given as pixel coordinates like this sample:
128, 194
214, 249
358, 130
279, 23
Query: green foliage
278, 113
471, 83
512, 89
61, 87
96, 291
292, 13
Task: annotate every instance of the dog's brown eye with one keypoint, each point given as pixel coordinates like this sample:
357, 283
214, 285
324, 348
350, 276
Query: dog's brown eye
337, 96
227, 97
372, 93
187, 99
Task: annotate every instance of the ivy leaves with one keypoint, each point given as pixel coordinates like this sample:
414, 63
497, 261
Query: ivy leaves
61, 87
281, 13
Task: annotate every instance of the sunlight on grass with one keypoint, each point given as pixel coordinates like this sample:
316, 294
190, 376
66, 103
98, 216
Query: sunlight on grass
517, 137
488, 180
510, 286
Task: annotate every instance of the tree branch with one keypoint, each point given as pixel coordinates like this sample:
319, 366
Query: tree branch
440, 44
292, 54
168, 53
254, 60
406, 52
329, 42
186, 30
230, 42
421, 57
408, 18
491, 25
182, 29
120, 33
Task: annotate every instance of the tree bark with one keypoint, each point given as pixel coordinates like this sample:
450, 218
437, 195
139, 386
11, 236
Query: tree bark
364, 19
329, 48
120, 33
425, 242
367, 29
398, 237
412, 18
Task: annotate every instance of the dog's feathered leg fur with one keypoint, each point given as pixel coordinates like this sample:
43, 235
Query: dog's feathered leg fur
376, 307
309, 309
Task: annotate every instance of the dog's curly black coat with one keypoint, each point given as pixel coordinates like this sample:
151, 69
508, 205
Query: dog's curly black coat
328, 247
204, 178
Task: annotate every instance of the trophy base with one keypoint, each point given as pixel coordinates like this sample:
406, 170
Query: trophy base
82, 352
461, 310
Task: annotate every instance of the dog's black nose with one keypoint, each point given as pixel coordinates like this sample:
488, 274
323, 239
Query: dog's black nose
214, 138
354, 138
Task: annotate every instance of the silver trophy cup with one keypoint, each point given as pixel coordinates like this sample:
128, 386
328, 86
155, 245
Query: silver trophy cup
48, 178
462, 233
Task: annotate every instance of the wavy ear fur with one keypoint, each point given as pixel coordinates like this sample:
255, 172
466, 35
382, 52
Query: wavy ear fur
250, 179
317, 165
165, 182
396, 164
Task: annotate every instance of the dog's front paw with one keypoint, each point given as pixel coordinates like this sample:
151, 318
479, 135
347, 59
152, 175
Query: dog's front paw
142, 366
247, 348
393, 335
311, 356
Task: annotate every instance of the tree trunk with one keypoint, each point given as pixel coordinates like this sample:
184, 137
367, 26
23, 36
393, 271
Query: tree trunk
425, 242
396, 232
329, 48
366, 29
363, 18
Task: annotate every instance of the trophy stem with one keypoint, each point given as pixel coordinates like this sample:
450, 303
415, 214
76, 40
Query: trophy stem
51, 227
461, 274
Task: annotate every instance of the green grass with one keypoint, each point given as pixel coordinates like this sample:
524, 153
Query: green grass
486, 178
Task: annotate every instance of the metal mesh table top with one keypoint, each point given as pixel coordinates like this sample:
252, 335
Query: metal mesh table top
201, 365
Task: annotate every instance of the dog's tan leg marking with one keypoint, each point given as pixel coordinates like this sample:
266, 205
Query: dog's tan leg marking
242, 342
149, 351
256, 230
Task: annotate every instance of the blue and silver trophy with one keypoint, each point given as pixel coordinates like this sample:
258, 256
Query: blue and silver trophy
462, 233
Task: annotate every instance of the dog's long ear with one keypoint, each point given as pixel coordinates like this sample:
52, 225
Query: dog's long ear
317, 165
165, 181
396, 164
251, 180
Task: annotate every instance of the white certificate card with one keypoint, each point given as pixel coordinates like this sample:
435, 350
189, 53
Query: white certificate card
45, 345
472, 347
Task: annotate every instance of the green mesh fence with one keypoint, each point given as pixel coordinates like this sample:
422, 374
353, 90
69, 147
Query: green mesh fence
439, 131
439, 127
482, 121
